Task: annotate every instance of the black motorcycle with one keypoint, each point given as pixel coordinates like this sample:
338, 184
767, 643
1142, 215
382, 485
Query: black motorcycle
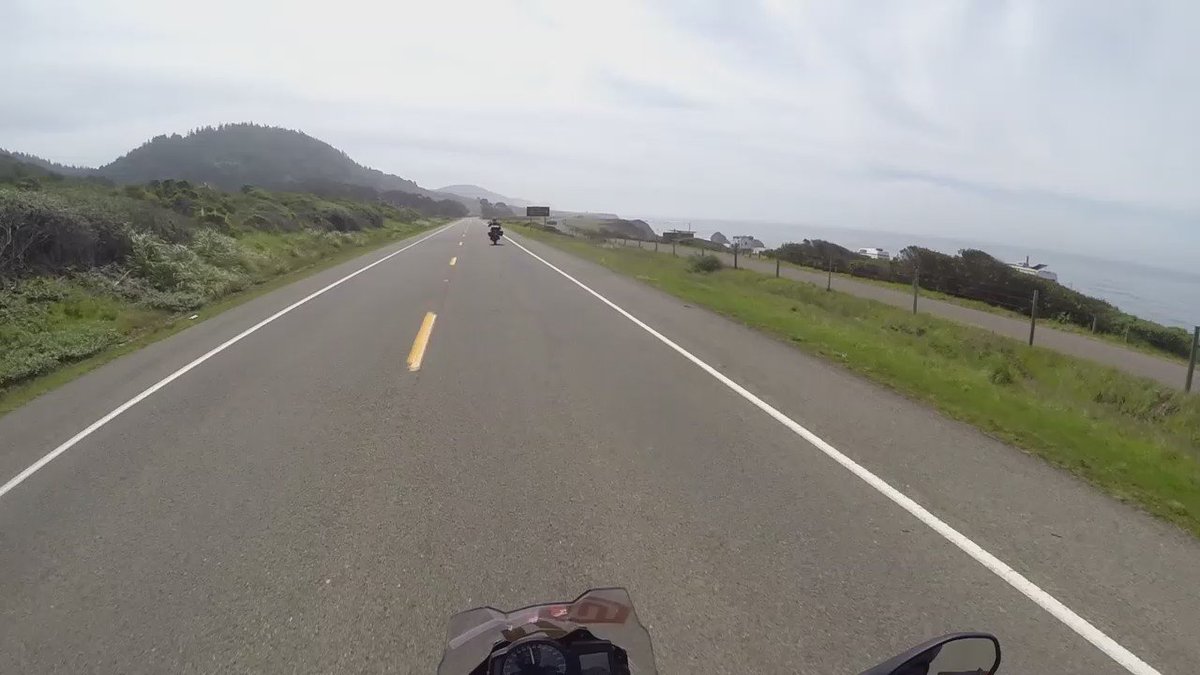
599, 634
494, 233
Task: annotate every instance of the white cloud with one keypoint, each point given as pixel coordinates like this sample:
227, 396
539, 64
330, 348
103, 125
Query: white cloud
1020, 117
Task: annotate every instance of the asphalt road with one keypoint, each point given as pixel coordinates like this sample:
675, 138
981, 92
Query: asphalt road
304, 502
1165, 371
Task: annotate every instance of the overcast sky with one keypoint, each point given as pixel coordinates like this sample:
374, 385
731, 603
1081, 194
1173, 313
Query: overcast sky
1050, 123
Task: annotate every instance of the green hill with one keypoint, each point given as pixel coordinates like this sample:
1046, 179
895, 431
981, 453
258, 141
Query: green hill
14, 168
8, 158
476, 192
232, 155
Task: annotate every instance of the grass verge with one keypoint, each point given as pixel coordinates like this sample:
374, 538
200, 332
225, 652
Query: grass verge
1130, 343
1133, 438
74, 325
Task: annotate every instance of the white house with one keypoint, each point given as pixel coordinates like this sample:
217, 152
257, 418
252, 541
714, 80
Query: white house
748, 244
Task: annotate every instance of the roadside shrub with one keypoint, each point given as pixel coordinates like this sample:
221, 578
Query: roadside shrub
869, 269
340, 219
258, 221
1001, 374
43, 289
705, 262
42, 232
182, 272
215, 218
817, 253
135, 192
224, 251
173, 301
46, 322
1169, 339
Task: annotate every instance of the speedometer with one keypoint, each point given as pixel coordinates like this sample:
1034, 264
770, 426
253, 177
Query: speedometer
535, 658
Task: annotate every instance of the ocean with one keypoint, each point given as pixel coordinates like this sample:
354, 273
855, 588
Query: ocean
1169, 296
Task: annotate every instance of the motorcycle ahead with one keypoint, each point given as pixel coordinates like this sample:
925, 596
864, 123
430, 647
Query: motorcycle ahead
599, 634
494, 233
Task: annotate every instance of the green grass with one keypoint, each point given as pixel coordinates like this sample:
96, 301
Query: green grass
58, 328
1135, 439
1132, 343
1067, 327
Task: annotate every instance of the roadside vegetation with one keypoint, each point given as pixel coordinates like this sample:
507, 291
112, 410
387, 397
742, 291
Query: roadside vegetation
87, 268
705, 262
975, 279
1132, 437
1016, 308
975, 275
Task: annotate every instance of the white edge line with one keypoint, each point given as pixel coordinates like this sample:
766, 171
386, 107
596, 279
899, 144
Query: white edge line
1058, 610
91, 428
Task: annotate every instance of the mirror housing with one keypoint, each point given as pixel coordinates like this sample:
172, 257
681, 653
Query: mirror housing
954, 654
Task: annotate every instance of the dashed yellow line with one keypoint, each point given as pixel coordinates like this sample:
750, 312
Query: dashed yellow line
417, 353
453, 260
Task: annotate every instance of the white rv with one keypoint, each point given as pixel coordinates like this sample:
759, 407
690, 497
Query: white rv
875, 253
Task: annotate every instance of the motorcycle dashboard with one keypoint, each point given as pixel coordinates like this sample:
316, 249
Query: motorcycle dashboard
586, 629
549, 657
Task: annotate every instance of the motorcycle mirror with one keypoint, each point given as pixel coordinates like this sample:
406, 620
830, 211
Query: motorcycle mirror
955, 654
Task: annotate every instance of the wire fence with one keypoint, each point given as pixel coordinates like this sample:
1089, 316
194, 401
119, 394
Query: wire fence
993, 295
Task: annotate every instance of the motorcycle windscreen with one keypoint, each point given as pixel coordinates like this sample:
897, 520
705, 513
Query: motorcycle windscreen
606, 613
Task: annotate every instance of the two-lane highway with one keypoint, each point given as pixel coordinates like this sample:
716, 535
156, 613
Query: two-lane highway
462, 424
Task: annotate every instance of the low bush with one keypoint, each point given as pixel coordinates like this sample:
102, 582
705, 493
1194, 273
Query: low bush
869, 269
46, 322
705, 262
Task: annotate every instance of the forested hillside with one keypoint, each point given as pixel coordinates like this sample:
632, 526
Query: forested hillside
232, 155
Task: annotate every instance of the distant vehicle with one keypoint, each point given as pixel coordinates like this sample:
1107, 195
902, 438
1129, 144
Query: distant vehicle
495, 232
1039, 270
875, 253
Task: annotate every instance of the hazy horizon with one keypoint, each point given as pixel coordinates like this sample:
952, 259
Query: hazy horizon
1065, 124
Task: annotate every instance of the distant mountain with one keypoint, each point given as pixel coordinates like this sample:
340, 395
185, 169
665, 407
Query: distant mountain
232, 155
47, 165
14, 167
476, 192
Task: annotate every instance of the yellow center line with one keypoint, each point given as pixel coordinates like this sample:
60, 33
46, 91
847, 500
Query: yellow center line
418, 349
460, 243
453, 260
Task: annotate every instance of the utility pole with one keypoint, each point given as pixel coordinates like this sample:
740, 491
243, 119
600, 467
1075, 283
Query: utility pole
916, 287
1033, 316
1192, 362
